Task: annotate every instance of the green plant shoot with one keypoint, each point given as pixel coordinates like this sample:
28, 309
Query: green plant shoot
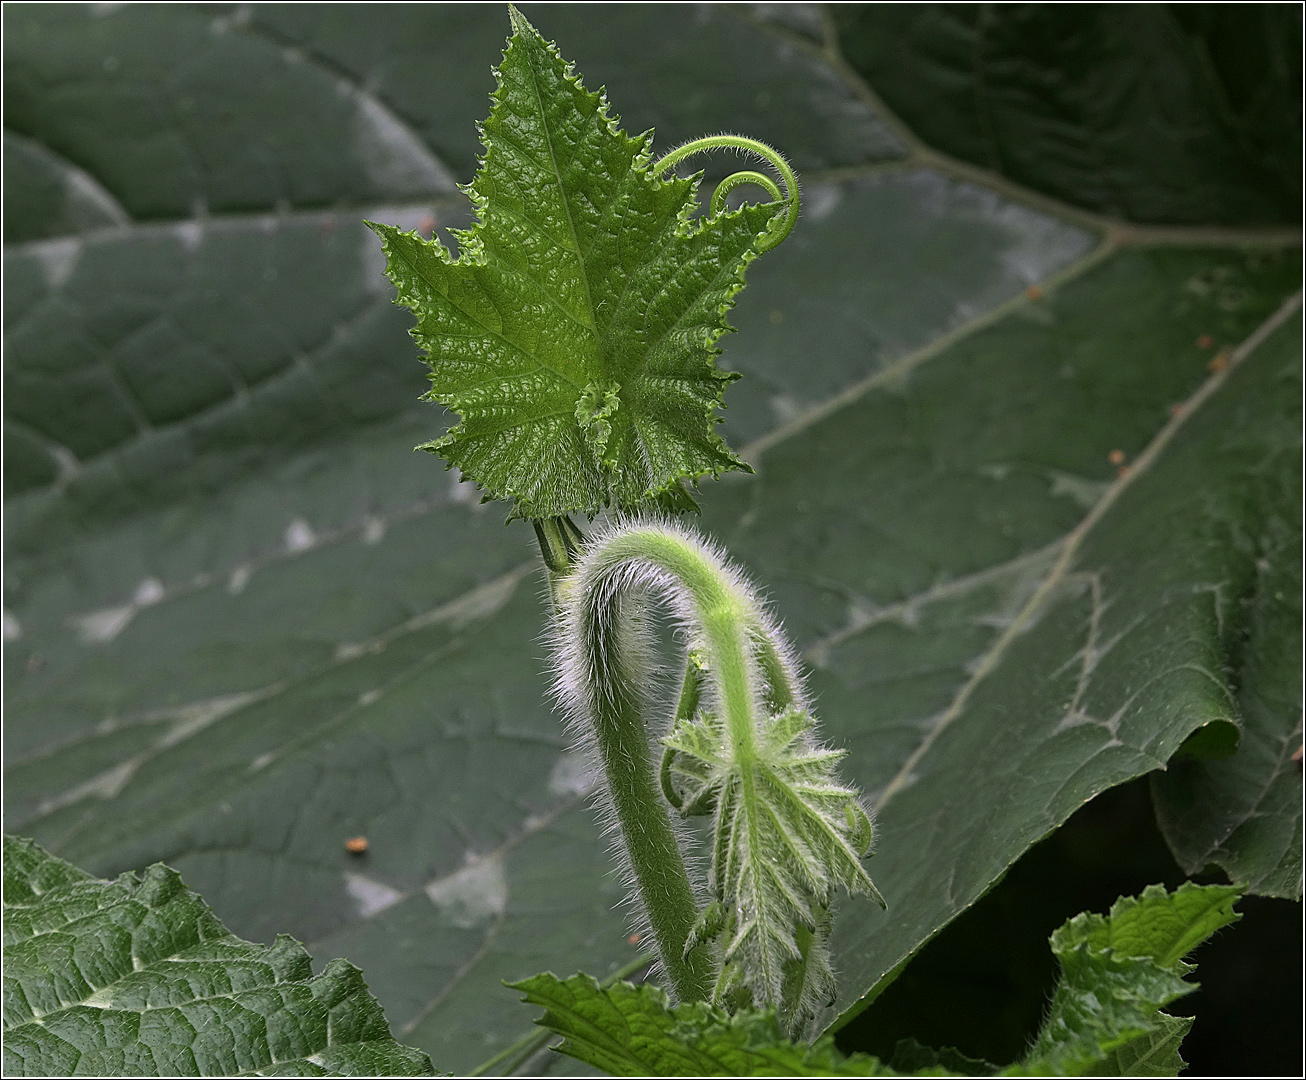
575, 334
786, 833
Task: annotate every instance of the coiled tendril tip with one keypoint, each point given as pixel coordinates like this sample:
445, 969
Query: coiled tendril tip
782, 225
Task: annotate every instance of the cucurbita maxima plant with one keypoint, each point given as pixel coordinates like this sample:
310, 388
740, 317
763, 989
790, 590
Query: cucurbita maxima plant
631, 287
574, 333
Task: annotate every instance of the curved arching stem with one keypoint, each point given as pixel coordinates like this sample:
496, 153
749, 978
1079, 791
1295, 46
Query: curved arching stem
783, 224
605, 664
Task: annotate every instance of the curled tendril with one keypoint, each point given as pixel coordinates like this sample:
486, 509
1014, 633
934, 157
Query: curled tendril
781, 225
745, 176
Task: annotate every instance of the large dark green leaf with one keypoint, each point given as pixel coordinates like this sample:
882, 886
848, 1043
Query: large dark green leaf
147, 102
244, 622
1244, 813
1001, 626
1161, 113
684, 70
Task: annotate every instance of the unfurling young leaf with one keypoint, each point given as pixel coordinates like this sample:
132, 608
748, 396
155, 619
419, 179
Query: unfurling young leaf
787, 833
575, 330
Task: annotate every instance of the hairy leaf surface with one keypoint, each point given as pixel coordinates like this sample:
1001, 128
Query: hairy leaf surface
137, 977
575, 331
1117, 971
786, 834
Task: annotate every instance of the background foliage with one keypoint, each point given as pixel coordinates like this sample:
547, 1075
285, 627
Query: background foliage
1022, 392
137, 977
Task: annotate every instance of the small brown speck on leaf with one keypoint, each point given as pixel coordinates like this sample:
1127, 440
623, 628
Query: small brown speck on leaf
356, 845
1033, 293
1205, 341
1116, 457
1122, 471
634, 939
1219, 362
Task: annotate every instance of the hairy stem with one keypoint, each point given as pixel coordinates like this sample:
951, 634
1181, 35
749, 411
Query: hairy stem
742, 746
650, 841
606, 667
781, 683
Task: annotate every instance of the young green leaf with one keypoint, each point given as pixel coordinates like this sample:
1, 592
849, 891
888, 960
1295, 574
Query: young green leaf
1159, 925
787, 834
1117, 971
575, 331
633, 1031
137, 977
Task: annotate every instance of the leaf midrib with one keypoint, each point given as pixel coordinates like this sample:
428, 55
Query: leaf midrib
492, 257
566, 206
